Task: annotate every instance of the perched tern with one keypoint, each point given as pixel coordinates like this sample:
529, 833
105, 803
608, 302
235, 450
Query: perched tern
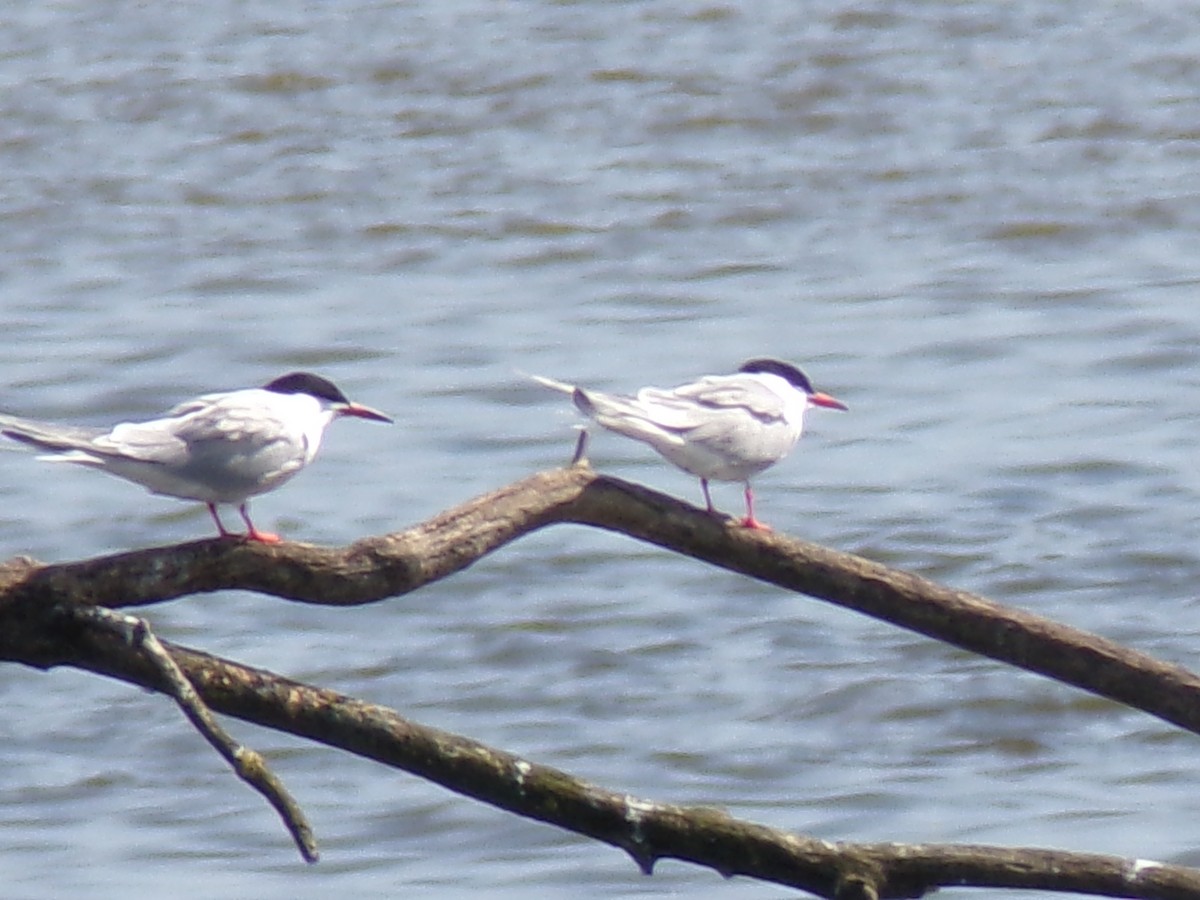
722, 427
219, 448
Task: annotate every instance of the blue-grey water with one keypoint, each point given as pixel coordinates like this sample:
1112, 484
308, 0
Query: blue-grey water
975, 223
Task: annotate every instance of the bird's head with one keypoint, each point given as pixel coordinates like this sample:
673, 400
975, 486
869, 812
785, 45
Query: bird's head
325, 391
794, 377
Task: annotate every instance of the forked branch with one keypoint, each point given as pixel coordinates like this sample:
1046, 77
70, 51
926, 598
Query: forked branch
40, 625
647, 831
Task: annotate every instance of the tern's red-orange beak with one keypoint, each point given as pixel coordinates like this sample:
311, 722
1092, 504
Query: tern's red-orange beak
819, 399
364, 412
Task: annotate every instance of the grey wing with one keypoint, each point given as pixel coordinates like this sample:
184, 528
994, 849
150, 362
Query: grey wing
239, 443
713, 403
249, 442
740, 423
695, 405
157, 441
153, 441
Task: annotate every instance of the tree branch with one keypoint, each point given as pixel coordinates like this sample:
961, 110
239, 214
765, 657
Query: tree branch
40, 625
647, 831
377, 568
248, 764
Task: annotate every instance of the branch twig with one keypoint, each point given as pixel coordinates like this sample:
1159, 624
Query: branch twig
647, 831
247, 763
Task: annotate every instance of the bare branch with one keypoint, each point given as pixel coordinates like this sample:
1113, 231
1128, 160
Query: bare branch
391, 565
647, 831
247, 763
40, 625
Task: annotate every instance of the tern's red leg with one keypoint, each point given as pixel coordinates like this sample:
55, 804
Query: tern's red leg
750, 521
253, 534
212, 508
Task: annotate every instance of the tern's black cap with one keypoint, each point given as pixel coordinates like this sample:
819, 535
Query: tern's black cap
786, 371
307, 383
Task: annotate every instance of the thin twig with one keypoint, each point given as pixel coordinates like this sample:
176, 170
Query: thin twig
247, 763
580, 457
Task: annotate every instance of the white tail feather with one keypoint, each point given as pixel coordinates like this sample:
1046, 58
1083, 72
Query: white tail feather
551, 383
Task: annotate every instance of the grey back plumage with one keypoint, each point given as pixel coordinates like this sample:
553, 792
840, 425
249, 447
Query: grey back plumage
217, 448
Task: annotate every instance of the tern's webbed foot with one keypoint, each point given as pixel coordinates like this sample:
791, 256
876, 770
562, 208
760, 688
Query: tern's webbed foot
754, 524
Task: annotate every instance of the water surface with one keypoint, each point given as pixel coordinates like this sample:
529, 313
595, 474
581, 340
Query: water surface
973, 223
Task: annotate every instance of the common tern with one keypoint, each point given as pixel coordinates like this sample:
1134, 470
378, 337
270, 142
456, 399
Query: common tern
218, 448
721, 427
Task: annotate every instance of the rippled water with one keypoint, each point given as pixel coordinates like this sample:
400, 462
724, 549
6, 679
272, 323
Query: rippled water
975, 223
